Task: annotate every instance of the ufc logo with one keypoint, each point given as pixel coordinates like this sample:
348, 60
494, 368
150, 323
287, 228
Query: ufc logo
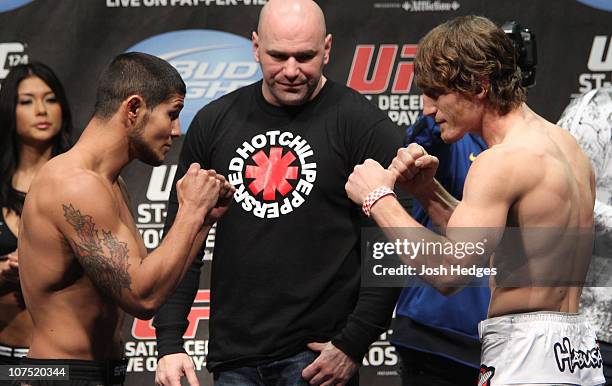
143, 329
381, 76
600, 58
160, 183
11, 54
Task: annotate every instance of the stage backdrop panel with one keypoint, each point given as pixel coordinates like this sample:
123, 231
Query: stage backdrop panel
374, 44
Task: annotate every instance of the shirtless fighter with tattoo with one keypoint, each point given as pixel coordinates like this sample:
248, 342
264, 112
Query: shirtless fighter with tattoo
83, 263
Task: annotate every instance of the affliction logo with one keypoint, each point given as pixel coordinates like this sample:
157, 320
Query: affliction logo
485, 375
421, 5
569, 358
271, 173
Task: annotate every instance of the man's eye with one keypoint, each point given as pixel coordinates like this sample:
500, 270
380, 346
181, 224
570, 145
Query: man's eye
433, 94
304, 58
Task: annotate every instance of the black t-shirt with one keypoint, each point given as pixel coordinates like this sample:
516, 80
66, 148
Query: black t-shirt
286, 267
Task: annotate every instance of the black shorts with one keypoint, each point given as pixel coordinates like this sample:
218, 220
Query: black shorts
81, 372
12, 355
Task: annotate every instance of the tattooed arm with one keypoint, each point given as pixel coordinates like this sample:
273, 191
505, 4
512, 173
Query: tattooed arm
111, 253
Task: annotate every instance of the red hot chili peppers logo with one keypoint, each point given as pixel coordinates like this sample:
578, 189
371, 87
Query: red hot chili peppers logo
272, 174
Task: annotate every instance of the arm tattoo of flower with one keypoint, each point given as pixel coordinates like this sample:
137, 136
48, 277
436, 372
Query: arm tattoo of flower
104, 258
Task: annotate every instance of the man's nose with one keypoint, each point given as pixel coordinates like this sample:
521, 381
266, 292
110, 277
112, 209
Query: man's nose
429, 107
176, 128
292, 69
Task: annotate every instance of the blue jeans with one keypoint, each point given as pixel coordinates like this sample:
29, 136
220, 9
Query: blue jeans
283, 372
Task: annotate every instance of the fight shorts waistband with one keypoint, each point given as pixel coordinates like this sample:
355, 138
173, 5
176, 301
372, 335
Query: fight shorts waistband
108, 373
539, 348
502, 325
13, 352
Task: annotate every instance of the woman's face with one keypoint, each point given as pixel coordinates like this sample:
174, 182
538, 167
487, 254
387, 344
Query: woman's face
38, 112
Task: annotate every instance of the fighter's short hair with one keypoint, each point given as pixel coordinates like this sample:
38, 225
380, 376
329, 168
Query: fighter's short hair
136, 73
466, 55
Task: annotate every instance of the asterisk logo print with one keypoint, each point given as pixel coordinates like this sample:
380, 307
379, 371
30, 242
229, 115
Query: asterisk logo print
271, 174
274, 173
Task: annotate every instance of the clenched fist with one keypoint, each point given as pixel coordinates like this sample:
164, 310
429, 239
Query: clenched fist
198, 190
366, 178
223, 203
414, 169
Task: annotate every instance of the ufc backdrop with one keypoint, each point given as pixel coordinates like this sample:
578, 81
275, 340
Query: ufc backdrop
208, 41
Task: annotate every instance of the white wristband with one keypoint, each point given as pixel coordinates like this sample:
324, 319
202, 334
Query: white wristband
374, 196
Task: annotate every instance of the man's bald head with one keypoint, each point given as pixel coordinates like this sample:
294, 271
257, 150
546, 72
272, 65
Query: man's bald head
291, 16
292, 48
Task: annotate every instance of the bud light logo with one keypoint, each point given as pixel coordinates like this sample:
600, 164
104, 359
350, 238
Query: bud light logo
604, 5
9, 5
212, 64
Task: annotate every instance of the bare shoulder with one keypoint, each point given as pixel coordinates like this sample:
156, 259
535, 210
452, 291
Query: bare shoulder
570, 146
500, 172
520, 154
577, 159
499, 161
59, 186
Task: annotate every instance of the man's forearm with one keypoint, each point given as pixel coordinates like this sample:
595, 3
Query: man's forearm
438, 203
162, 270
171, 319
371, 317
397, 224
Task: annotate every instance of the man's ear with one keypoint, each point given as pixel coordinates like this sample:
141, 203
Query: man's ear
327, 48
255, 40
484, 89
134, 106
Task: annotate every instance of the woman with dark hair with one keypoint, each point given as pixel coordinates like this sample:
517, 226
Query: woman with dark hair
35, 125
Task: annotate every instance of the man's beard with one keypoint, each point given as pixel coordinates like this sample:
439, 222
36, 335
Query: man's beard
139, 148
